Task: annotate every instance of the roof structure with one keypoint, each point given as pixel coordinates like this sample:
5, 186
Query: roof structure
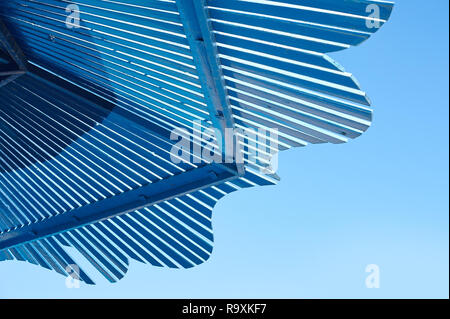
93, 90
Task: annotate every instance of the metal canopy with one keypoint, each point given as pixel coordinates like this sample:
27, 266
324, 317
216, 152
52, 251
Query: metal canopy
12, 61
85, 131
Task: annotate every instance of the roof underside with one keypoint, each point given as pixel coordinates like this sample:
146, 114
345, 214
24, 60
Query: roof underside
85, 134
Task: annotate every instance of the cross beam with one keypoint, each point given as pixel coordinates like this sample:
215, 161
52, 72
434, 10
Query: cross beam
151, 194
195, 18
8, 42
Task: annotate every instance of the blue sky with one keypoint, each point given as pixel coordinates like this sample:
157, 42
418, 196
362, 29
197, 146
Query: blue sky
381, 199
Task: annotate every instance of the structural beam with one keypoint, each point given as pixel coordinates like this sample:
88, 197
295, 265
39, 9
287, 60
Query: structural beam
13, 72
151, 194
195, 18
9, 79
8, 42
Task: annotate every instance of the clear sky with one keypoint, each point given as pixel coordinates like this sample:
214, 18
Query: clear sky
380, 199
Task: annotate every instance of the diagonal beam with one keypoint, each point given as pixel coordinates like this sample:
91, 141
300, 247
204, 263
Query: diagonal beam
14, 72
195, 18
151, 194
9, 79
11, 46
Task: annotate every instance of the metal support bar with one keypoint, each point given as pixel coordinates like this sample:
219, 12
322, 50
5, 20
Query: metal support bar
11, 46
14, 72
151, 194
9, 79
195, 18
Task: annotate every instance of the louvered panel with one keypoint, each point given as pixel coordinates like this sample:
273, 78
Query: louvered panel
46, 172
175, 233
86, 155
276, 71
138, 57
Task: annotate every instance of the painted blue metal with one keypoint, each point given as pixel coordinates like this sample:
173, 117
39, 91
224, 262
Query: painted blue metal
8, 43
85, 147
151, 194
12, 60
195, 18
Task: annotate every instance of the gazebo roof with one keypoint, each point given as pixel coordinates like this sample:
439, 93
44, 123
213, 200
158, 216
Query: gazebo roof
92, 91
